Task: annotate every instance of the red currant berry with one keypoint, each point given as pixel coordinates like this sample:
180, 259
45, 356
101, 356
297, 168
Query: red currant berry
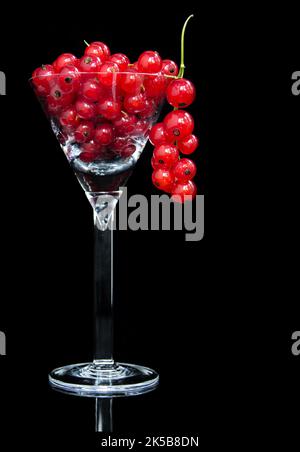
184, 170
69, 118
90, 146
89, 157
169, 67
104, 134
141, 128
149, 109
131, 82
178, 124
57, 99
84, 132
149, 62
125, 124
90, 63
107, 73
136, 103
91, 90
162, 178
98, 49
65, 59
69, 79
109, 108
188, 144
166, 155
85, 109
154, 164
158, 134
127, 151
181, 93
154, 85
43, 78
184, 192
121, 60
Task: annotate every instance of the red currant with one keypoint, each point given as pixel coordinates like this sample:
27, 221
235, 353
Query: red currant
188, 144
184, 170
90, 63
184, 192
85, 109
69, 118
165, 155
43, 78
162, 178
178, 124
109, 108
96, 49
107, 73
149, 109
169, 67
57, 99
89, 157
65, 59
91, 90
69, 79
180, 93
131, 82
121, 60
90, 146
149, 62
104, 134
125, 124
136, 103
141, 128
158, 134
154, 85
84, 132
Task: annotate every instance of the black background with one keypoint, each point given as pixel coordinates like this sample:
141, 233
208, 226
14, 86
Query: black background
214, 317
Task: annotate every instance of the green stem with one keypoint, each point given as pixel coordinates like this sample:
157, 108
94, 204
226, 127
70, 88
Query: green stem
182, 66
86, 43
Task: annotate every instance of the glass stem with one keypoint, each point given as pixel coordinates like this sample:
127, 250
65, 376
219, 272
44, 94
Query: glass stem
103, 292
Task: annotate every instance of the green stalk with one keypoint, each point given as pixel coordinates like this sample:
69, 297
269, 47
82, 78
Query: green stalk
182, 66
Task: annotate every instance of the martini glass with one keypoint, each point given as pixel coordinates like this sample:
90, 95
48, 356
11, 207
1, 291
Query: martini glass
101, 176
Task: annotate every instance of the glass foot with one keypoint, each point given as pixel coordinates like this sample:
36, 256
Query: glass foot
104, 380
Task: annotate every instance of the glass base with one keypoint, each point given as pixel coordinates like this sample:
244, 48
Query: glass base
104, 379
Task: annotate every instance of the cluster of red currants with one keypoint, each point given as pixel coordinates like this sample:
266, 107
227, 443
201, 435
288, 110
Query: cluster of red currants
101, 100
173, 174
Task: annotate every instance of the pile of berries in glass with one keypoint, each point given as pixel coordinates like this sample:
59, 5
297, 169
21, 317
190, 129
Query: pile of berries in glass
101, 106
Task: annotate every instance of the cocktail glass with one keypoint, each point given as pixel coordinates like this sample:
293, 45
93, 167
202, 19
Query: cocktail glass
101, 178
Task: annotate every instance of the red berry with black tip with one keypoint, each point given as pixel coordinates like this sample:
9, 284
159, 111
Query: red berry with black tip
166, 155
181, 93
58, 100
69, 79
178, 124
188, 144
162, 179
89, 63
182, 192
169, 67
184, 170
98, 49
149, 62
84, 132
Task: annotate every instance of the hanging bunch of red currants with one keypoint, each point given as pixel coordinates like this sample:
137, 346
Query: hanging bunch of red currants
174, 135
